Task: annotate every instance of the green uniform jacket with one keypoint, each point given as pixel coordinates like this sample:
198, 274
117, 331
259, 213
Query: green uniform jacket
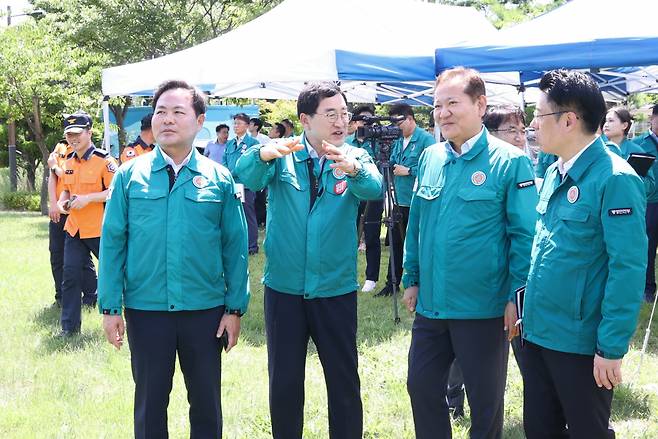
589, 257
310, 253
420, 140
173, 251
234, 151
366, 144
470, 229
544, 160
650, 146
627, 148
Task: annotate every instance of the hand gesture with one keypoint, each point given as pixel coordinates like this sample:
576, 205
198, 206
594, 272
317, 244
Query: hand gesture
400, 170
278, 149
348, 165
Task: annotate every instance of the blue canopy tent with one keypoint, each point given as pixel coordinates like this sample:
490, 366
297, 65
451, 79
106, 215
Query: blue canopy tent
616, 41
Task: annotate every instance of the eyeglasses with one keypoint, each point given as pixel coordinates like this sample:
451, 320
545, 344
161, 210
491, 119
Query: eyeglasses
537, 115
332, 116
512, 131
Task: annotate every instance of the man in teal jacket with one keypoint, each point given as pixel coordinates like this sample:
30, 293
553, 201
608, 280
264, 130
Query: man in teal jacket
649, 142
234, 150
467, 250
315, 185
174, 245
586, 276
370, 212
404, 161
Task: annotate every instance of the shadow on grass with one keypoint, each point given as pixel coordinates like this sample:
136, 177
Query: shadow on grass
48, 317
47, 322
630, 403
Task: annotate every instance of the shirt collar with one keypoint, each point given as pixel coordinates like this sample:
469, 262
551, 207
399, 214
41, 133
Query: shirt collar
564, 167
467, 146
87, 153
170, 161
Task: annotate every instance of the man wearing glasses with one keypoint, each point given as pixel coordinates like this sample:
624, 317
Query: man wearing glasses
315, 185
467, 250
404, 160
586, 277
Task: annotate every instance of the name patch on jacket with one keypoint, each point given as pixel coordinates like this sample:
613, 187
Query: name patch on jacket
525, 184
620, 212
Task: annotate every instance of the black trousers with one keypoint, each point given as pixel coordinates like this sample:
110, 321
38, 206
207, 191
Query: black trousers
481, 348
252, 223
261, 206
372, 227
331, 322
455, 392
154, 338
398, 245
56, 238
77, 252
652, 234
559, 390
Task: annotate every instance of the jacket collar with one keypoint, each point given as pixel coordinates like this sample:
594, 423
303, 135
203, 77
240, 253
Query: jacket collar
158, 162
593, 152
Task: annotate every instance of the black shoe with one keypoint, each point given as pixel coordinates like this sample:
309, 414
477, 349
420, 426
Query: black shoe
253, 252
67, 333
385, 292
457, 412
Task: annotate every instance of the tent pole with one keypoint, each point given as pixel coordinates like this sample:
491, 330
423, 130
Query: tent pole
106, 123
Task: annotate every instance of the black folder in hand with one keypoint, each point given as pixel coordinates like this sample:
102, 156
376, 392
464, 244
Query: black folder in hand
519, 295
641, 163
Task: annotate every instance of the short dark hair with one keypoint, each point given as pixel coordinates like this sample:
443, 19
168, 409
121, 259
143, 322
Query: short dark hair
257, 123
280, 129
146, 122
198, 98
624, 116
288, 122
498, 115
311, 95
401, 110
221, 126
571, 90
474, 83
242, 116
364, 109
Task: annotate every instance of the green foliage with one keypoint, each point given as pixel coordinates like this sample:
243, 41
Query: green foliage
20, 201
503, 13
276, 111
126, 32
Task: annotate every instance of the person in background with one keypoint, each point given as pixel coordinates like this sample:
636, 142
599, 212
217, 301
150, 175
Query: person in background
56, 232
405, 153
87, 177
234, 150
369, 211
277, 131
507, 123
143, 143
215, 149
289, 126
255, 125
649, 142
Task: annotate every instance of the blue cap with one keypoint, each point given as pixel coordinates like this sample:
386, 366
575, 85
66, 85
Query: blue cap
77, 122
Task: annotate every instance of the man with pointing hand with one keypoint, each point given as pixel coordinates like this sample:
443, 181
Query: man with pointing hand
315, 184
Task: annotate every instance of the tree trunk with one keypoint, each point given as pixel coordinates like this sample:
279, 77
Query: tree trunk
34, 122
30, 174
120, 112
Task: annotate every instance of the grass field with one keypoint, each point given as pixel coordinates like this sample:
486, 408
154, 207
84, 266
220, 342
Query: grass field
82, 388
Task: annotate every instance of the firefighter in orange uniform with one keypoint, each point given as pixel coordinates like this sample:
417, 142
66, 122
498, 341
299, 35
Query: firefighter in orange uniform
143, 143
87, 176
56, 231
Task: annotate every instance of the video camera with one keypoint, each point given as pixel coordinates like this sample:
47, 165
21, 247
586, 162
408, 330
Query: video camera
376, 132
